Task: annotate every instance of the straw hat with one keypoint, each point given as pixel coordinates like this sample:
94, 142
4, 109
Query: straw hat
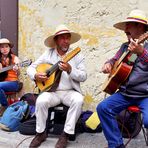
135, 16
6, 41
61, 29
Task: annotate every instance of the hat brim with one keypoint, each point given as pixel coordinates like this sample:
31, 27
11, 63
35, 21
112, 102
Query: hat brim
49, 42
10, 44
121, 25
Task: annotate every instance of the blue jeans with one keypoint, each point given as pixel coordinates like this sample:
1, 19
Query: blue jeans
113, 105
7, 86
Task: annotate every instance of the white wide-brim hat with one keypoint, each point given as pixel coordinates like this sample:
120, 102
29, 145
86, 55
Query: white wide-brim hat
6, 41
61, 29
135, 16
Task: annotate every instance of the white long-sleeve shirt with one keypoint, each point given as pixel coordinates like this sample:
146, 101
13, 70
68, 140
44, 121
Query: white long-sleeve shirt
67, 81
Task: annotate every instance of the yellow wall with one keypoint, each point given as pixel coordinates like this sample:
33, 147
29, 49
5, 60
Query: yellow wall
93, 19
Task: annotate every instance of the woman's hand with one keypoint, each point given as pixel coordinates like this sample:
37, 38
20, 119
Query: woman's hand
16, 68
1, 66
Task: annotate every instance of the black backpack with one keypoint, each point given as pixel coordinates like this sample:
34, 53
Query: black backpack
30, 98
28, 127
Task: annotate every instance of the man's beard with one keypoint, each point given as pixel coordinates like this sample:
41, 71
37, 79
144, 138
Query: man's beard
64, 49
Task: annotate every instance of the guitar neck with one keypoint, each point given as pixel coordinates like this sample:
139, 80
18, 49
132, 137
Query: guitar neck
71, 54
22, 64
141, 39
67, 57
6, 68
52, 69
123, 56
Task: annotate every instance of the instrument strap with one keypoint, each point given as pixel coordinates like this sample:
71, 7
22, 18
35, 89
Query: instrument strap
57, 81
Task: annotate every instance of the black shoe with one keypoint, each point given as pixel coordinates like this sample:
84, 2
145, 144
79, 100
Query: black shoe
63, 140
38, 139
121, 146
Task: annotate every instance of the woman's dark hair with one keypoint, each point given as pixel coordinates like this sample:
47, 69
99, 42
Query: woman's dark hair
146, 28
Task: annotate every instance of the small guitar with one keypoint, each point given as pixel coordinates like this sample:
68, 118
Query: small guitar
3, 71
120, 71
51, 70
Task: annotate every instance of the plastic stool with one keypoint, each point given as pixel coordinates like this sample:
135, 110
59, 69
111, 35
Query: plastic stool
12, 96
136, 109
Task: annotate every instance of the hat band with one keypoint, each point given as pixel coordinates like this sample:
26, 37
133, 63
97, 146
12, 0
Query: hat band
141, 20
62, 31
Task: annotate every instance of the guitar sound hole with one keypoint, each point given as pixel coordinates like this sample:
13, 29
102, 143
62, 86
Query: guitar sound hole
43, 83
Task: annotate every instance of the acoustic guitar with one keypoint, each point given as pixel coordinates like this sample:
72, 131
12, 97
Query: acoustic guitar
3, 71
120, 71
51, 70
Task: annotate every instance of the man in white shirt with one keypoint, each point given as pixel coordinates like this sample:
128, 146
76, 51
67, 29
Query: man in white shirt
68, 89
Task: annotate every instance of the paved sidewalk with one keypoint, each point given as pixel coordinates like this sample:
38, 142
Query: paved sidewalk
85, 140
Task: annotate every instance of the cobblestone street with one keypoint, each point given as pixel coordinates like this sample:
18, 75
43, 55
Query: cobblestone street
85, 140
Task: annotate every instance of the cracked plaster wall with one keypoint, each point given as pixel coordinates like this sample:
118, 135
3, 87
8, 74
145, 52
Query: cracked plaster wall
93, 19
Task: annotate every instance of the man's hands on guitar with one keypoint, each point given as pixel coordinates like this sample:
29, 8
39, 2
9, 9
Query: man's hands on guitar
64, 66
107, 67
41, 76
134, 47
